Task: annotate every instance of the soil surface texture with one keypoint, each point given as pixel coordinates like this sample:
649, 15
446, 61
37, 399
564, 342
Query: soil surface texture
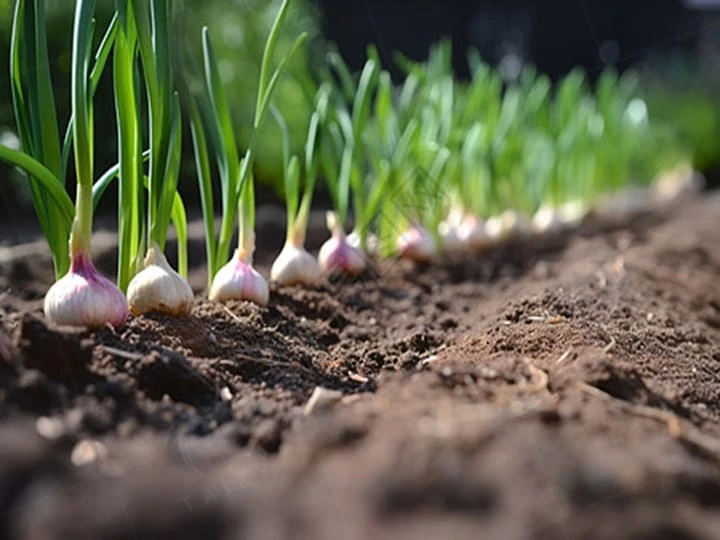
567, 387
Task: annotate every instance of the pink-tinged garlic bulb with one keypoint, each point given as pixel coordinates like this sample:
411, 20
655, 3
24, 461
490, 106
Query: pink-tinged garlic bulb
336, 254
84, 297
238, 280
159, 288
416, 244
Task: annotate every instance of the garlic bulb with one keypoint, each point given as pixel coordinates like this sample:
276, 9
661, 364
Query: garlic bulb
471, 232
416, 244
624, 203
573, 212
510, 224
238, 280
547, 220
159, 288
516, 224
677, 183
336, 254
494, 229
450, 235
84, 297
295, 266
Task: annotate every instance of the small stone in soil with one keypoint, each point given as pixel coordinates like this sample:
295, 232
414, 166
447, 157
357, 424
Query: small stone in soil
322, 400
49, 428
87, 452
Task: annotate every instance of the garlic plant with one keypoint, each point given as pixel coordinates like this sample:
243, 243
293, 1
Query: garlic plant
145, 34
294, 265
238, 280
82, 296
212, 133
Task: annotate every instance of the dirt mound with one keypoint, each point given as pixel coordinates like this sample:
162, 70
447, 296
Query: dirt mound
564, 388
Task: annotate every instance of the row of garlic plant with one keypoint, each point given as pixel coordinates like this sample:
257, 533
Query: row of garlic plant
139, 41
431, 164
434, 164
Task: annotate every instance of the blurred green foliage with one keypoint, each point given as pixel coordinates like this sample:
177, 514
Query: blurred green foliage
239, 29
683, 92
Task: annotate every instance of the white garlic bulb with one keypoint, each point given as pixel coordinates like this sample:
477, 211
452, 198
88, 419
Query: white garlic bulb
547, 220
572, 212
295, 266
159, 288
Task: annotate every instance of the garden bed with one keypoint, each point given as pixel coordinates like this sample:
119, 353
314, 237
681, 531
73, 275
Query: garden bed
564, 388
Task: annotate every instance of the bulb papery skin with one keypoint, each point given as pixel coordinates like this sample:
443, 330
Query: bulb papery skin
295, 266
238, 280
337, 255
159, 288
416, 244
84, 297
547, 220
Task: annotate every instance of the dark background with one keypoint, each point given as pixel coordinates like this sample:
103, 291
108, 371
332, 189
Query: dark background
676, 41
556, 35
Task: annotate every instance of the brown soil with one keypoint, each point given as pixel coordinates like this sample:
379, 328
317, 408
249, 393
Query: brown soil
568, 388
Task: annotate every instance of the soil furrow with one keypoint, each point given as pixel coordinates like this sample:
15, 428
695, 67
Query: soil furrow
568, 387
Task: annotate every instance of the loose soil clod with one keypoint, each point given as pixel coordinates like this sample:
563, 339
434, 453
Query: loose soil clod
568, 388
